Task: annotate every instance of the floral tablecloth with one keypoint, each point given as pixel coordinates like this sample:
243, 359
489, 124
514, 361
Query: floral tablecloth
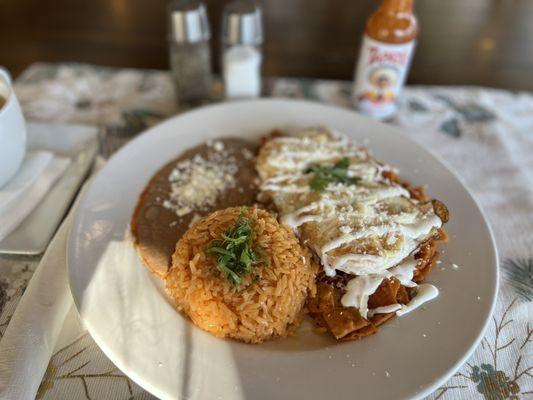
485, 135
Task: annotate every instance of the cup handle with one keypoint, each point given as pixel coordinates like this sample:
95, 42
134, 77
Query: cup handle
4, 73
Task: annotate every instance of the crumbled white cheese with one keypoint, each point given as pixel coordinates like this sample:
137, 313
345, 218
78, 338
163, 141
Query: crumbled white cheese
180, 212
196, 183
345, 229
391, 239
195, 218
247, 154
218, 146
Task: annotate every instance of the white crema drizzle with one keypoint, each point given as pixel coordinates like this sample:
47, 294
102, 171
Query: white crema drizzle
357, 211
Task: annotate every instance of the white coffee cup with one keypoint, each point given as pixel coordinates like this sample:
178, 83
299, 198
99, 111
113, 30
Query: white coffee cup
12, 130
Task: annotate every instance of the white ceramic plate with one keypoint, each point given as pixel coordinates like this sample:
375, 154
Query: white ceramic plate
130, 318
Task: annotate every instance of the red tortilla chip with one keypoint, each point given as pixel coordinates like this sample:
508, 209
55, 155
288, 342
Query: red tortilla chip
361, 333
341, 321
324, 301
385, 295
379, 319
402, 296
441, 210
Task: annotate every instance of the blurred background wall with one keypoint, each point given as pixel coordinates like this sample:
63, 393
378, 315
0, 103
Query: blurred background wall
472, 42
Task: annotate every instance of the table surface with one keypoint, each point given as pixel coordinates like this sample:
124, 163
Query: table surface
485, 135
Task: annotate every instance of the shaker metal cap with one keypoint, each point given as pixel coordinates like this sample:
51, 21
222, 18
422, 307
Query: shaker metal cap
242, 23
188, 21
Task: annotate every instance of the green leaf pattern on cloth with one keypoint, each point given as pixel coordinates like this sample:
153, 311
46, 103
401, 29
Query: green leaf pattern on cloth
451, 127
417, 106
519, 272
470, 112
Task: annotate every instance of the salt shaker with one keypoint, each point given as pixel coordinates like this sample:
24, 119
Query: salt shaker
190, 57
242, 36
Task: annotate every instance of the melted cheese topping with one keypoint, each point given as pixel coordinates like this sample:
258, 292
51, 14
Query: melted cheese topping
369, 229
425, 292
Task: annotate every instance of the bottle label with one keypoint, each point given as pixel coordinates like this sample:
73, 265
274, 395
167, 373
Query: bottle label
380, 75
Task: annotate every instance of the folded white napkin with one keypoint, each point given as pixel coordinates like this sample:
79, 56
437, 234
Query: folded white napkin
39, 171
45, 318
31, 336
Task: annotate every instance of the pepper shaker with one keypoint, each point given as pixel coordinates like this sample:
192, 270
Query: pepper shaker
242, 37
190, 57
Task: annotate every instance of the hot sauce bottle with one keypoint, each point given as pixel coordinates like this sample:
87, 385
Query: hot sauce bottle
384, 59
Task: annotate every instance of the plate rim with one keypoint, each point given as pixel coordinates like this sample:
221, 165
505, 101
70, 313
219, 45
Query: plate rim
145, 384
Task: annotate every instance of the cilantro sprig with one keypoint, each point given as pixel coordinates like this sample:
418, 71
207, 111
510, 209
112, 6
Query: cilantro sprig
324, 175
237, 252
